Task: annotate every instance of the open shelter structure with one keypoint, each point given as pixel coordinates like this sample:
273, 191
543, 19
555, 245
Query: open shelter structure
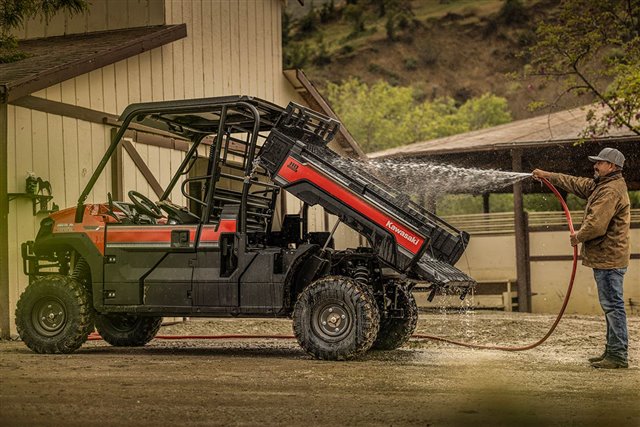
551, 142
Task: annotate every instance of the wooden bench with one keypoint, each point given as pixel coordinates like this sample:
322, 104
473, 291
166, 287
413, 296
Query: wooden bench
487, 295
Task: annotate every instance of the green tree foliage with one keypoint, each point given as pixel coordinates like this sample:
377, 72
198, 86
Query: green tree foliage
593, 42
355, 14
383, 116
14, 13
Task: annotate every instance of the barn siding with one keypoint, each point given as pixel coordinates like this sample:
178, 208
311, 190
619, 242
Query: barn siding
233, 47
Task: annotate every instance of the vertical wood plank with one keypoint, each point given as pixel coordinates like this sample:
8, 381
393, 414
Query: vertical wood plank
97, 16
225, 47
268, 52
12, 214
253, 51
137, 13
84, 148
122, 85
157, 73
197, 43
277, 76
207, 49
25, 161
5, 318
56, 26
70, 146
178, 55
145, 82
98, 141
156, 12
234, 46
133, 77
109, 95
76, 24
168, 91
243, 51
168, 12
116, 15
40, 145
261, 60
82, 94
188, 50
218, 42
56, 154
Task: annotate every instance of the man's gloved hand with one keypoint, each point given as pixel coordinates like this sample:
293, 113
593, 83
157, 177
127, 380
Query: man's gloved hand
573, 239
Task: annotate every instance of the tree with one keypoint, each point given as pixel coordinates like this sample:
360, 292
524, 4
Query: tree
13, 14
593, 47
383, 116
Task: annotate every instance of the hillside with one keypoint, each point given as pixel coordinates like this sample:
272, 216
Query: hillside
454, 48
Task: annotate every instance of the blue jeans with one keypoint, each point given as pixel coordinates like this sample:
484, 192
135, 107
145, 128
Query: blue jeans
610, 294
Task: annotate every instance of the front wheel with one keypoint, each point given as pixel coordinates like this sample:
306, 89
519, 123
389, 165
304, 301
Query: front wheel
399, 325
334, 318
54, 315
125, 330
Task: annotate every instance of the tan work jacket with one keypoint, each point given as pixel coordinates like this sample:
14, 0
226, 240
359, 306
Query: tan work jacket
604, 232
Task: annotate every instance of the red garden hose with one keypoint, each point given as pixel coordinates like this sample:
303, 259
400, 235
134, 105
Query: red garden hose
564, 304
95, 336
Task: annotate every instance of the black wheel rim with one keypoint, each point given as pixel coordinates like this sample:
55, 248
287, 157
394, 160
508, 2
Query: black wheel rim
123, 323
49, 316
332, 321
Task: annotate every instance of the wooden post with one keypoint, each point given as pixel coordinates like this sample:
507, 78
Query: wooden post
117, 172
429, 203
522, 264
486, 208
5, 319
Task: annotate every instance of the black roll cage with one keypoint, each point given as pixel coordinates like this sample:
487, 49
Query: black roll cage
239, 111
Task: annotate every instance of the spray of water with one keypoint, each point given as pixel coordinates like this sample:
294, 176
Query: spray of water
433, 179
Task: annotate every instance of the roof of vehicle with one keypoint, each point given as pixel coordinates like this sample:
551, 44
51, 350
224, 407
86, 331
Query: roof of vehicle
197, 117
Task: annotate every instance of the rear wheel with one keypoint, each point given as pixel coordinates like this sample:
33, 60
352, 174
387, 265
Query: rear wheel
335, 319
124, 330
54, 315
395, 331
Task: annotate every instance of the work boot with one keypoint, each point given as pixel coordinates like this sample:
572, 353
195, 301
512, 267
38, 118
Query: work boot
609, 363
598, 358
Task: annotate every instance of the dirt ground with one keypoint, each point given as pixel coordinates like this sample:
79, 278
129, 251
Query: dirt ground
273, 382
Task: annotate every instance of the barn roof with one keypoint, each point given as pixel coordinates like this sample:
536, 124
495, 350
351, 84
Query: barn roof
52, 60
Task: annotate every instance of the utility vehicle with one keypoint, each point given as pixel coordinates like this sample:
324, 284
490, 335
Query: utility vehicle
212, 245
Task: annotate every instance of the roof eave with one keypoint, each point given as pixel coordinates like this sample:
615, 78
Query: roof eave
49, 77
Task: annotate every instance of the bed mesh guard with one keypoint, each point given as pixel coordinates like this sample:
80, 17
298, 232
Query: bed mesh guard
407, 237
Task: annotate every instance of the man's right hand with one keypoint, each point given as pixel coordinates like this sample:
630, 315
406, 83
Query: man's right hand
539, 173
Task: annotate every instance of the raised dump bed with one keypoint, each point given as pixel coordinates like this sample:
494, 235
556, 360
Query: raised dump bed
406, 236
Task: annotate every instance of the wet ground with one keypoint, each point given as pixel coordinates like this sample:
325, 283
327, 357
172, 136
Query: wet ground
273, 382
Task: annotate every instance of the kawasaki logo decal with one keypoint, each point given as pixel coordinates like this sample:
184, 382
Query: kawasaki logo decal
391, 226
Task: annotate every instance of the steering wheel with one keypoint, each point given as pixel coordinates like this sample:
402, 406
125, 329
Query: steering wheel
145, 205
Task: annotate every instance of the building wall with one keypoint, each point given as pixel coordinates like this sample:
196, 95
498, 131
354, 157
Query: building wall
103, 15
491, 258
232, 48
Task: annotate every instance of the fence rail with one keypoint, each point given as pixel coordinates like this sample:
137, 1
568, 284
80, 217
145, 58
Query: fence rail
503, 222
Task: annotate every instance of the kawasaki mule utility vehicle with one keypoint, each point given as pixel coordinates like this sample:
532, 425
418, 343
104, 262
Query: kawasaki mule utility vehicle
218, 249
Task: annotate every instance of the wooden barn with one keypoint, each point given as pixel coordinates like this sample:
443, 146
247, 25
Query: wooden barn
60, 105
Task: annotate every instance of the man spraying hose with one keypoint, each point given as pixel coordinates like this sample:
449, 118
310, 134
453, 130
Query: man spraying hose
604, 235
